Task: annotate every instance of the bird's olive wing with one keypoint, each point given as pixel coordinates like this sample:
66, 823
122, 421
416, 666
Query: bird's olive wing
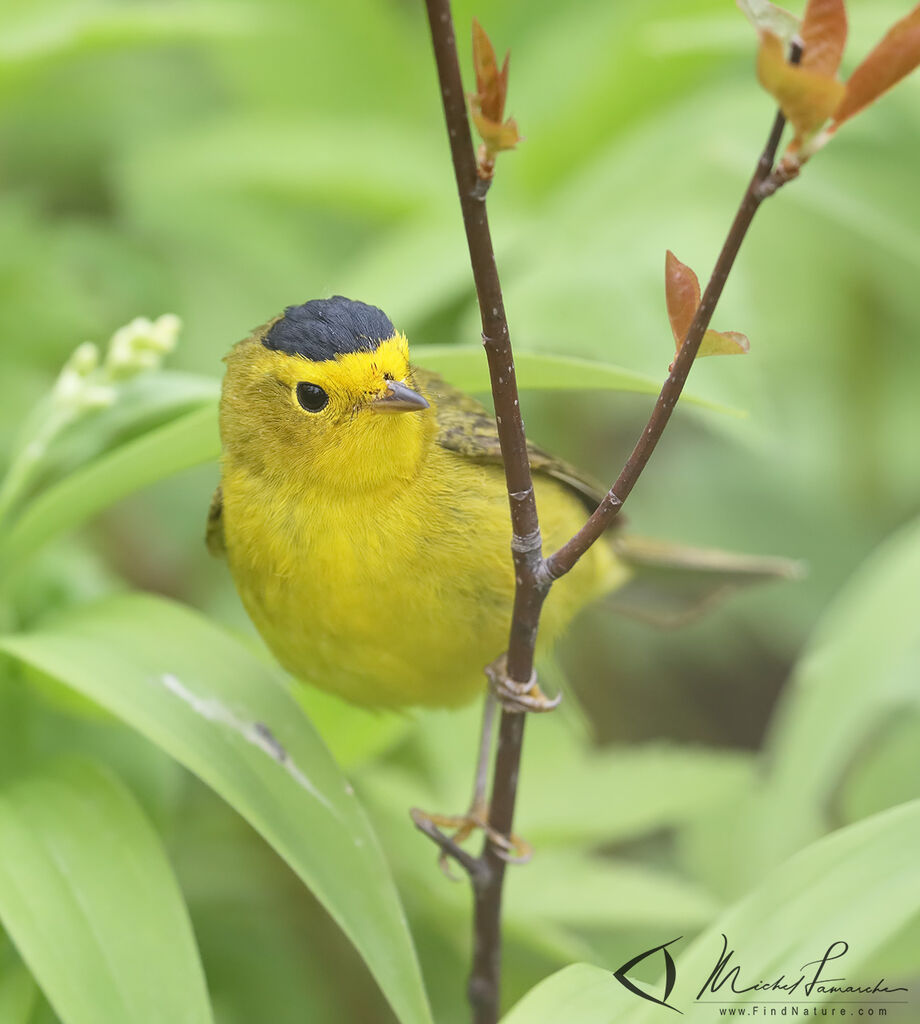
214, 534
466, 427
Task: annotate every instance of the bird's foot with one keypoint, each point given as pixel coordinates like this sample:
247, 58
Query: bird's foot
511, 848
518, 697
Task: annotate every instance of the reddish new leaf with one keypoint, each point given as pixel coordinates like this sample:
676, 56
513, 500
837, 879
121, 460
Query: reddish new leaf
807, 97
824, 35
491, 84
894, 58
682, 293
488, 103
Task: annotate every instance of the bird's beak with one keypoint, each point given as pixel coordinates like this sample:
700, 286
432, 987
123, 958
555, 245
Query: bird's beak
399, 398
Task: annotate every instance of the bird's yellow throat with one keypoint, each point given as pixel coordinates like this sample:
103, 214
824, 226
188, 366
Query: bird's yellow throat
364, 515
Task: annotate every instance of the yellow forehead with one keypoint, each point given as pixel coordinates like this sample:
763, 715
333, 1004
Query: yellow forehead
350, 373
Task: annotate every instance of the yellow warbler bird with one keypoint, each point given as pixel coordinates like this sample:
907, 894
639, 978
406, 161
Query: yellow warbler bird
363, 512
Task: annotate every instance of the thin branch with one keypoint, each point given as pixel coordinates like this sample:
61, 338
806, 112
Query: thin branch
763, 183
533, 574
532, 582
495, 335
473, 866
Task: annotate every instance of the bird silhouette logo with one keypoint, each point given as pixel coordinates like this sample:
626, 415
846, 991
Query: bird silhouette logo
670, 974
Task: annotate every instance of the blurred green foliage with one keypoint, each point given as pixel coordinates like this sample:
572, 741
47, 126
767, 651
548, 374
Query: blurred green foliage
221, 160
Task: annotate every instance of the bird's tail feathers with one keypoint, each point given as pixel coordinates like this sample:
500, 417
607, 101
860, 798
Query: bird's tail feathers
672, 584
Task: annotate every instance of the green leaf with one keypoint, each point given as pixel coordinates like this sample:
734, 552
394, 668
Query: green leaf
142, 403
17, 995
609, 894
673, 584
859, 885
859, 672
581, 992
354, 734
465, 367
226, 715
70, 30
567, 800
884, 773
185, 442
89, 899
192, 439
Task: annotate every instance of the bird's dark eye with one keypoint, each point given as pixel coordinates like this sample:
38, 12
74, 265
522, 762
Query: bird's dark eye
311, 396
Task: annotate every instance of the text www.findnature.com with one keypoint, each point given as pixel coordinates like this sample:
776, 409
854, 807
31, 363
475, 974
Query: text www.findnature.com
803, 1011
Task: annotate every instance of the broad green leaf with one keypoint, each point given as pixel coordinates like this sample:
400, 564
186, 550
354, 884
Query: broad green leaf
355, 735
545, 912
180, 444
859, 885
569, 797
465, 367
89, 899
608, 894
192, 439
75, 29
581, 992
227, 715
142, 404
860, 670
884, 772
17, 995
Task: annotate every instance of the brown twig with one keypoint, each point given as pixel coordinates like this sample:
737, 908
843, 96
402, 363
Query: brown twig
763, 183
534, 574
527, 550
472, 865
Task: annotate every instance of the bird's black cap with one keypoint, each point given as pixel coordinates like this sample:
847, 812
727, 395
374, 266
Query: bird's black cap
325, 328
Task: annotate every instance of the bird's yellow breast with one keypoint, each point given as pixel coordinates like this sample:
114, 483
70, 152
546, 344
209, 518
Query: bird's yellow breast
399, 594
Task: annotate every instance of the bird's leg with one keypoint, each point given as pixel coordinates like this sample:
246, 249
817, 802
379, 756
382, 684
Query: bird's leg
511, 849
479, 807
515, 697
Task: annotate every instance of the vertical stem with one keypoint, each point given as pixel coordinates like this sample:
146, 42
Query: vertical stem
526, 547
533, 575
485, 976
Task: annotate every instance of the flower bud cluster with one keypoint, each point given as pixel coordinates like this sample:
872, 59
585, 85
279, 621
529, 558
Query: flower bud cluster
87, 382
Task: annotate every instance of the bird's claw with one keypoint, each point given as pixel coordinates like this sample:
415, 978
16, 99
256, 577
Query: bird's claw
511, 849
518, 698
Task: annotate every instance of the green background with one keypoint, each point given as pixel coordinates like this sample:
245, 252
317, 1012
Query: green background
223, 160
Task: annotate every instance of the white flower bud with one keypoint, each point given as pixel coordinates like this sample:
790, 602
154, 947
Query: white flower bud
141, 344
68, 385
165, 332
95, 396
84, 360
